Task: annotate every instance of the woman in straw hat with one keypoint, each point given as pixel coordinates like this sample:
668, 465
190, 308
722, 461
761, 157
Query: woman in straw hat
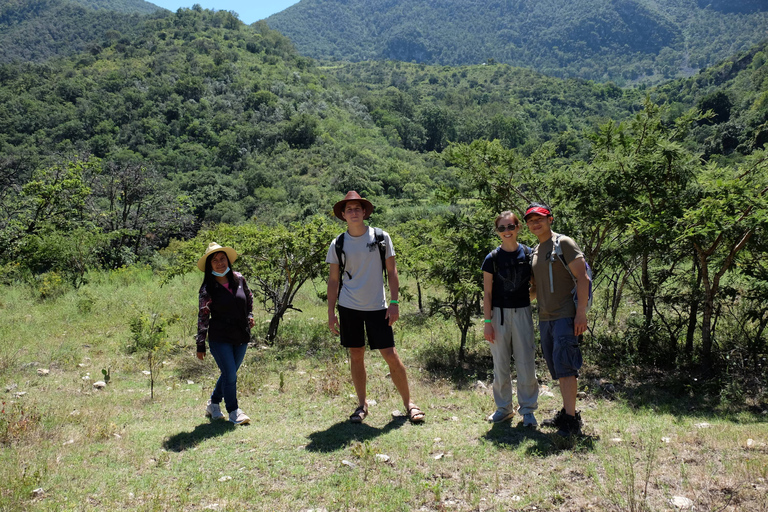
226, 318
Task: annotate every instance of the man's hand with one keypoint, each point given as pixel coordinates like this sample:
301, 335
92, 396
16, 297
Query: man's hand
580, 322
201, 355
393, 313
333, 323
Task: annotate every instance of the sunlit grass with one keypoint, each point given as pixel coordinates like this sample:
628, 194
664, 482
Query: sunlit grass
68, 446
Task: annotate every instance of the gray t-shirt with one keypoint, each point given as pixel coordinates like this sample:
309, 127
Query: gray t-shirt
363, 287
557, 304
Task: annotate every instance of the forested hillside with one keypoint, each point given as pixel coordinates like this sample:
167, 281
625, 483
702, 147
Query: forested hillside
625, 41
37, 30
244, 126
199, 124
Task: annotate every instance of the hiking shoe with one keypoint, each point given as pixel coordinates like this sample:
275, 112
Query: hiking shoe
500, 416
238, 417
213, 411
529, 420
570, 426
556, 421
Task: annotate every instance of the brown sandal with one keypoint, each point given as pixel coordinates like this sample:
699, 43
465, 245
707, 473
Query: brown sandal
359, 415
415, 415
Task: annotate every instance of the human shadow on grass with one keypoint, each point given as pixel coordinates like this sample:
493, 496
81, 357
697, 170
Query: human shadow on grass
508, 436
338, 436
186, 440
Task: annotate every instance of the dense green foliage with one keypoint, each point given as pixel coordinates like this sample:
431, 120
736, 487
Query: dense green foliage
624, 41
198, 119
37, 30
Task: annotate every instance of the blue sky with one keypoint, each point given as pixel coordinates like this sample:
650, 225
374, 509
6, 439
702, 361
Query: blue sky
249, 10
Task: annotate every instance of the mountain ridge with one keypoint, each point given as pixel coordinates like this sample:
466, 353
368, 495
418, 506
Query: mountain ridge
624, 41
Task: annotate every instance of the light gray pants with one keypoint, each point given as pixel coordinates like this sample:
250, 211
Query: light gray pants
514, 337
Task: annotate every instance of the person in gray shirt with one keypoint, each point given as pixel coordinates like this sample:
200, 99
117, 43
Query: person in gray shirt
357, 261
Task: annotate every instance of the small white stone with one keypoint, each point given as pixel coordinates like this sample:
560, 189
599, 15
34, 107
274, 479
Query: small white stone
71, 441
681, 502
382, 458
37, 493
750, 443
666, 440
438, 456
100, 384
371, 402
225, 478
86, 377
348, 463
616, 439
703, 424
190, 382
43, 372
516, 498
146, 372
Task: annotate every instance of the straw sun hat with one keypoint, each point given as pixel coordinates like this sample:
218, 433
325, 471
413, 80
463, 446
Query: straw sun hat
214, 247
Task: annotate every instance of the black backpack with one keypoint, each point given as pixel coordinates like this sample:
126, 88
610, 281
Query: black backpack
495, 254
378, 236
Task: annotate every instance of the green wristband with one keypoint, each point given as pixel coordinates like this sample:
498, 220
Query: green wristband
393, 302
488, 321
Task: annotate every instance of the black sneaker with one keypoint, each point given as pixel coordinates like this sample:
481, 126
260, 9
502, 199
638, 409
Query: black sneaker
570, 425
556, 421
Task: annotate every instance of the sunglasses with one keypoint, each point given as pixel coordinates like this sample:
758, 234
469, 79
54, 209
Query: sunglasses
510, 227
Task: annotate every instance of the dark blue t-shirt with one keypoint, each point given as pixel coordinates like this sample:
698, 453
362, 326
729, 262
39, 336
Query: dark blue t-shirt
510, 284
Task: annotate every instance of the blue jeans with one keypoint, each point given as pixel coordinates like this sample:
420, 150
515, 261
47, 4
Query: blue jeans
228, 357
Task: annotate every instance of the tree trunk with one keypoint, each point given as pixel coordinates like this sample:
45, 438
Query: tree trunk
693, 312
648, 305
418, 292
273, 325
463, 343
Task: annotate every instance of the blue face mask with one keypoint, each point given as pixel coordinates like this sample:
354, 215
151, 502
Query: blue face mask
222, 274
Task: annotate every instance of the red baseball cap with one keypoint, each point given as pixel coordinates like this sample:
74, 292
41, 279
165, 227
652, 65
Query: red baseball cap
538, 209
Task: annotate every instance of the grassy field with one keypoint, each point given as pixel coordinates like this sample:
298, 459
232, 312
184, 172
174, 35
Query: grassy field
68, 446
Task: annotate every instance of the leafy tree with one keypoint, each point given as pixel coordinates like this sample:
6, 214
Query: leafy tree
732, 207
276, 260
456, 269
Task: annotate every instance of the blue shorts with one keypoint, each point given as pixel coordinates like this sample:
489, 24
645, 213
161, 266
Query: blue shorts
354, 324
560, 347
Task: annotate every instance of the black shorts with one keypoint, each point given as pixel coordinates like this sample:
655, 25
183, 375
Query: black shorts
354, 324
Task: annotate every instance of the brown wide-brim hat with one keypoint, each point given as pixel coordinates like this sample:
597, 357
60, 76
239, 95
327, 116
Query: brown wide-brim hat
338, 208
212, 248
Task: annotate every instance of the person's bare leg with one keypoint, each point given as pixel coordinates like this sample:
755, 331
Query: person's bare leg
359, 377
568, 389
399, 377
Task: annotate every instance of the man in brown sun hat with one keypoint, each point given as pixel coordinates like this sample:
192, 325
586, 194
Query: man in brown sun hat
358, 259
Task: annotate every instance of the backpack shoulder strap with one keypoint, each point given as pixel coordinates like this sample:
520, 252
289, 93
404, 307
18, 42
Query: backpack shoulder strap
494, 258
528, 253
341, 257
378, 237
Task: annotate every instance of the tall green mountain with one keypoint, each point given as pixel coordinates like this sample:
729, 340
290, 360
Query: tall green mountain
620, 40
37, 30
232, 117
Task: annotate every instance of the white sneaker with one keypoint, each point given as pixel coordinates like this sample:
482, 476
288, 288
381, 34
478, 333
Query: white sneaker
529, 420
499, 416
238, 417
213, 411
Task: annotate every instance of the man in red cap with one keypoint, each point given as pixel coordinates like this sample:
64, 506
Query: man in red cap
357, 259
558, 266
